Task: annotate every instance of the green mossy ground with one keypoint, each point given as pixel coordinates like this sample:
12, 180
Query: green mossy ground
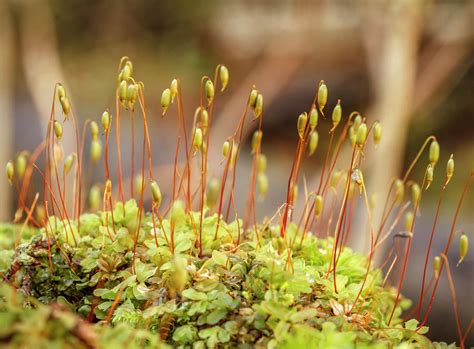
258, 295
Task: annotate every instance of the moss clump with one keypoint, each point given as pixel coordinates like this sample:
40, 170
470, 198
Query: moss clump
259, 294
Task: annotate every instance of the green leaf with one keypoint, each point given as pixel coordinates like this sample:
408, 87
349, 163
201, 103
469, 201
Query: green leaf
215, 316
194, 295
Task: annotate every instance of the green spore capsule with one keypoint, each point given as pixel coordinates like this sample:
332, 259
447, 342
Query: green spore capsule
173, 89
352, 136
155, 194
209, 89
261, 163
357, 122
68, 162
212, 192
322, 95
336, 114
224, 76
65, 105
335, 178
313, 142
399, 190
94, 130
204, 120
105, 121
262, 185
139, 184
126, 72
95, 198
225, 149
318, 205
436, 265
256, 140
450, 168
415, 194
165, 99
58, 129
20, 165
95, 150
253, 98
60, 91
122, 92
434, 153
258, 105
313, 118
429, 176
301, 124
409, 217
10, 171
463, 247
361, 135
132, 94
377, 133
197, 139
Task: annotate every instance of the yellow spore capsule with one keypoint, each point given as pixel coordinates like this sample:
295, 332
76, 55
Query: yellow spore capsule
357, 122
10, 171
301, 124
336, 114
94, 130
313, 118
139, 184
126, 73
262, 185
95, 150
313, 142
352, 136
105, 121
224, 76
122, 92
261, 163
450, 168
58, 153
165, 99
361, 135
173, 89
209, 89
68, 162
94, 198
377, 133
65, 105
132, 94
155, 194
434, 153
58, 129
409, 217
429, 176
415, 194
212, 192
335, 178
399, 190
318, 205
258, 105
463, 247
436, 265
197, 139
20, 165
322, 95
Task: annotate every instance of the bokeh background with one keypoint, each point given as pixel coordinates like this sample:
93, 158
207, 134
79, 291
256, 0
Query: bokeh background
407, 63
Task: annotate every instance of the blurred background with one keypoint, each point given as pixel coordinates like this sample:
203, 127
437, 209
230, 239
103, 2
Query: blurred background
407, 63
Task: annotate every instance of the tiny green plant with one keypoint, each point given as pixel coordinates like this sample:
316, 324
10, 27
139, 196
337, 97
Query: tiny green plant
99, 265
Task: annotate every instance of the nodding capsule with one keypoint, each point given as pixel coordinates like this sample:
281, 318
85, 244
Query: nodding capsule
399, 190
66, 106
335, 177
60, 91
361, 135
209, 89
125, 73
261, 163
436, 265
409, 218
377, 133
318, 205
429, 176
155, 194
262, 185
96, 150
253, 98
415, 194
337, 114
20, 165
105, 121
301, 124
68, 162
450, 168
212, 192
256, 140
434, 153
352, 136
313, 118
357, 122
258, 105
225, 148
10, 171
313, 142
197, 139
165, 99
224, 76
94, 130
58, 129
322, 95
122, 92
132, 94
463, 247
173, 89
204, 120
